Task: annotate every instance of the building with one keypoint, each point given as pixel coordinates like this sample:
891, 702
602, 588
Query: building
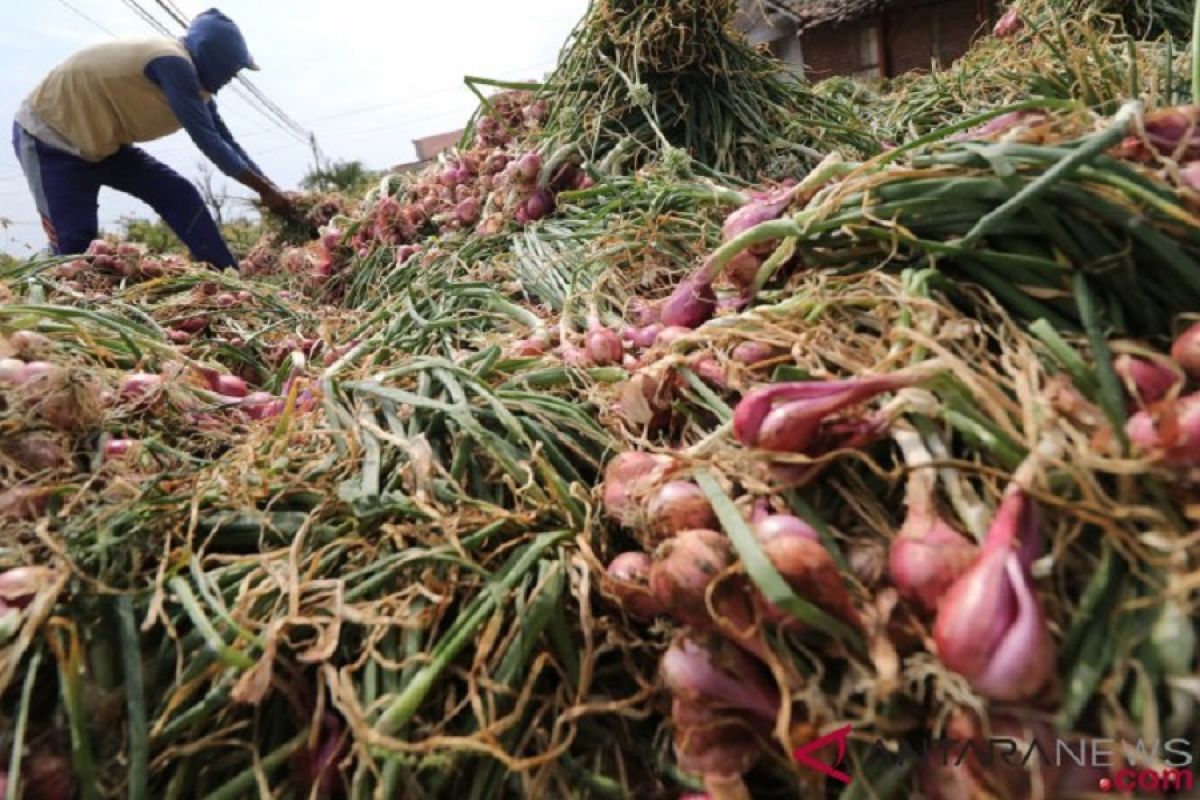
428, 148
865, 38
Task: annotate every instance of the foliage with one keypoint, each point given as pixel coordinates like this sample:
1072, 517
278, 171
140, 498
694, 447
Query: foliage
351, 176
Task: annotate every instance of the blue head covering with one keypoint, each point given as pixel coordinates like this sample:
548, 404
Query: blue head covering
217, 49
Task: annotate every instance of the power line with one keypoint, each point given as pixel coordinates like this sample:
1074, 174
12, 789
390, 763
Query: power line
173, 12
147, 17
86, 17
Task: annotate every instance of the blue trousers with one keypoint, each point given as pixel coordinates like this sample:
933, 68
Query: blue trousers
66, 189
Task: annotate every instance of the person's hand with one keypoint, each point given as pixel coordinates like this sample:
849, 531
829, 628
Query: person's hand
277, 202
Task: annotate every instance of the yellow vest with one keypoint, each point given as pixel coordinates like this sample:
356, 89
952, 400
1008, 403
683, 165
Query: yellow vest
100, 98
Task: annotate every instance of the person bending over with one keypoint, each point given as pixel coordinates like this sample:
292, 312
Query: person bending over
76, 133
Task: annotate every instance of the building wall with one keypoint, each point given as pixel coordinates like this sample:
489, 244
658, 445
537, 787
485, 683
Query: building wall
430, 146
904, 40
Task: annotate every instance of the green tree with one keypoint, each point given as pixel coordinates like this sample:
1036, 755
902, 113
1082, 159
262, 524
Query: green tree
155, 234
339, 176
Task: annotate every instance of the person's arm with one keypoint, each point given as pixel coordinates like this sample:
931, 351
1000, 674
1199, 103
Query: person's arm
227, 135
179, 82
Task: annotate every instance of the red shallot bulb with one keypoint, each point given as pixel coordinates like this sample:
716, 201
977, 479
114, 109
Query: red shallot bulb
758, 211
691, 304
119, 448
23, 502
528, 166
604, 346
137, 385
775, 525
927, 555
1186, 350
229, 385
709, 744
629, 582
786, 416
1148, 381
1169, 431
713, 673
467, 210
1008, 24
679, 506
30, 345
991, 627
811, 573
684, 566
12, 371
671, 334
751, 352
539, 204
926, 558
19, 584
644, 336
742, 269
628, 479
316, 766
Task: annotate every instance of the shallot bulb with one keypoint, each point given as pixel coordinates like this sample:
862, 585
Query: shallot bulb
12, 371
743, 268
644, 336
1169, 431
229, 385
710, 370
713, 673
1186, 350
23, 502
1008, 24
773, 526
528, 166
30, 345
810, 572
604, 346
684, 566
531, 347
691, 304
628, 479
786, 417
928, 555
539, 204
119, 448
1016, 778
315, 766
19, 585
1147, 381
36, 451
991, 627
671, 334
758, 211
467, 210
679, 506
713, 745
138, 385
628, 580
751, 352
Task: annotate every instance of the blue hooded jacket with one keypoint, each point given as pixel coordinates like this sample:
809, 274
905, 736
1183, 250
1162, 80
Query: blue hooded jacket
218, 52
217, 49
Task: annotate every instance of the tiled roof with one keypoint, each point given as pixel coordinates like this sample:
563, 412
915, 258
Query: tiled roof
809, 13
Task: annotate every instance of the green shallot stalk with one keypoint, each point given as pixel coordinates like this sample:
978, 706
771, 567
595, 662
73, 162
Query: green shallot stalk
403, 707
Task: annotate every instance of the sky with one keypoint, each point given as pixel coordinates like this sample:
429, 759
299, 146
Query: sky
366, 76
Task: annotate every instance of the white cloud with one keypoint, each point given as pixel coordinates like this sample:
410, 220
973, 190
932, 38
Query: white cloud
401, 61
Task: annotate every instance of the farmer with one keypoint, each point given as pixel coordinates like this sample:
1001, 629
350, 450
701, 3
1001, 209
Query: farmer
76, 131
